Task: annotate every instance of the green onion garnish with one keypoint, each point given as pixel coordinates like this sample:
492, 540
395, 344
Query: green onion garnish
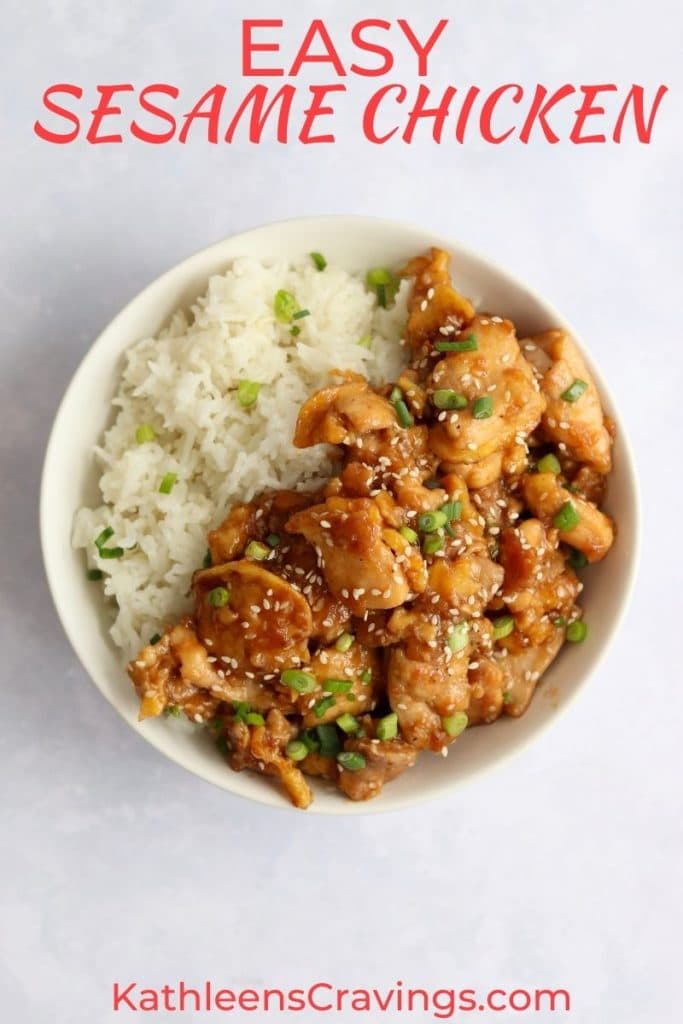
219, 597
348, 723
297, 750
468, 345
295, 331
103, 537
577, 559
111, 552
344, 642
482, 408
382, 296
208, 561
273, 540
560, 622
379, 275
577, 631
455, 724
309, 737
366, 675
301, 313
452, 511
458, 637
256, 550
446, 398
241, 709
336, 685
507, 696
94, 574
302, 682
432, 543
503, 626
365, 341
428, 522
145, 432
247, 393
329, 740
253, 718
574, 391
549, 464
155, 639
319, 260
351, 760
403, 413
173, 711
387, 727
409, 535
322, 706
285, 306
167, 483
567, 517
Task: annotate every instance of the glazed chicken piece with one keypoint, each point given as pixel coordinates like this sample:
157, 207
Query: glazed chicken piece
435, 306
357, 668
578, 424
426, 684
522, 668
399, 461
261, 748
539, 586
341, 414
487, 691
594, 532
358, 553
504, 402
251, 617
255, 520
384, 760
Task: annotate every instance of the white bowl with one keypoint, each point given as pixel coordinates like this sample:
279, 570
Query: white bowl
70, 480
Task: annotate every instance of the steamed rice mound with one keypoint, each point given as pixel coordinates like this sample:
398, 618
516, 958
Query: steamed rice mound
184, 384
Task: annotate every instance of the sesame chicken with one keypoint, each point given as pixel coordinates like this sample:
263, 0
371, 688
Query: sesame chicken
426, 586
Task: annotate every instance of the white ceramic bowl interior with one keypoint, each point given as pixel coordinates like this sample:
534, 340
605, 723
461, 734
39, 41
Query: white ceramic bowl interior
70, 480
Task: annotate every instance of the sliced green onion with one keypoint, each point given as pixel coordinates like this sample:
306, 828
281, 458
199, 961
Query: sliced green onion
446, 398
428, 522
432, 543
577, 631
507, 696
560, 622
94, 574
285, 306
302, 682
319, 260
549, 464
482, 408
458, 637
223, 745
351, 760
167, 483
344, 642
336, 685
503, 626
409, 535
301, 313
297, 750
173, 711
387, 727
103, 537
323, 706
145, 432
455, 724
309, 737
329, 740
155, 639
383, 283
348, 723
295, 331
111, 552
382, 296
247, 393
219, 597
256, 550
253, 718
468, 345
567, 517
241, 709
452, 511
366, 676
577, 559
365, 341
574, 391
273, 540
405, 417
208, 561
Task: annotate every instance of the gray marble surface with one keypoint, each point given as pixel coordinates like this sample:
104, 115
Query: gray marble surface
559, 870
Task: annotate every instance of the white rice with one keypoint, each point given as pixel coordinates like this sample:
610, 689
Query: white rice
183, 383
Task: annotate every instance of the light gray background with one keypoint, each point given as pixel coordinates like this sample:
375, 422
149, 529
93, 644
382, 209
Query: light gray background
561, 869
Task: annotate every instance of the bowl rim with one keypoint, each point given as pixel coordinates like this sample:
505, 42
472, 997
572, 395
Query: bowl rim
428, 793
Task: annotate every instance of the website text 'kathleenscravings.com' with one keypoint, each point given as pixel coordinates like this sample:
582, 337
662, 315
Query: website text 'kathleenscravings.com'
327, 999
